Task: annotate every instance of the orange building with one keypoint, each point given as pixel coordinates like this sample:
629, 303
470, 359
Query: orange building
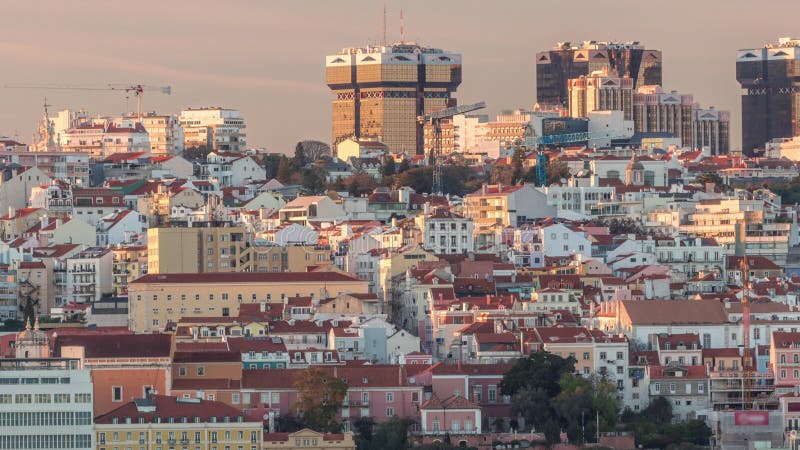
123, 366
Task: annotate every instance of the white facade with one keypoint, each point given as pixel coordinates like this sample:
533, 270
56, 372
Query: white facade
55, 411
166, 134
446, 232
558, 240
214, 128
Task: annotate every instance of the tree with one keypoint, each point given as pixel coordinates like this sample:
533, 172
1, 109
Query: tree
272, 163
313, 181
539, 370
284, 171
310, 151
299, 160
404, 166
389, 167
709, 177
556, 170
359, 184
516, 164
320, 398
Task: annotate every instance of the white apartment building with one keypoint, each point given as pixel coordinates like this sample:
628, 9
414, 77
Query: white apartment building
582, 202
166, 134
45, 403
559, 240
215, 128
85, 277
446, 232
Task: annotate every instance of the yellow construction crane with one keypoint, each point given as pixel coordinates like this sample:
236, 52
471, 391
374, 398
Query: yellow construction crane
137, 89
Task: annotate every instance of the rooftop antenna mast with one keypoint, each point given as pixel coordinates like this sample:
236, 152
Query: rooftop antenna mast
384, 24
402, 29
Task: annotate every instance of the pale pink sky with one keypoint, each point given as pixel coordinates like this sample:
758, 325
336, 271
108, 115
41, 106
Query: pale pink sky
266, 58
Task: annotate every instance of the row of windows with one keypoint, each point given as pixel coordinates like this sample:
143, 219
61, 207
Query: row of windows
48, 380
40, 419
224, 296
672, 387
43, 398
172, 436
46, 441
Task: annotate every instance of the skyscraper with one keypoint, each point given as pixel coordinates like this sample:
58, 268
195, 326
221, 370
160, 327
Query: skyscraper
657, 111
600, 91
380, 90
770, 77
630, 59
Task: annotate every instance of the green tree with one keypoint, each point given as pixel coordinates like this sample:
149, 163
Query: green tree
271, 164
556, 170
299, 160
516, 164
389, 167
359, 184
404, 166
539, 370
320, 398
284, 171
313, 181
709, 177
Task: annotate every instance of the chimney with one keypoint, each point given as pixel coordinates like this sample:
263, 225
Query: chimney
11, 212
484, 189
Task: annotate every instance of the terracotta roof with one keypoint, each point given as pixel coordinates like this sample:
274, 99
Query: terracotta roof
470, 369
452, 402
753, 263
166, 407
671, 312
206, 356
98, 345
692, 372
246, 277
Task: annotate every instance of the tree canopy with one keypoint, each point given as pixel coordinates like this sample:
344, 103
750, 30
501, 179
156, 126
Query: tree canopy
320, 398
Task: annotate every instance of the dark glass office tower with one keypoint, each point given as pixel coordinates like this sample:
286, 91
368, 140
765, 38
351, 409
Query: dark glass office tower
770, 77
567, 60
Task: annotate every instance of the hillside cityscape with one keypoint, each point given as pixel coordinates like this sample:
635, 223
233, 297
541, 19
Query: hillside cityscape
608, 265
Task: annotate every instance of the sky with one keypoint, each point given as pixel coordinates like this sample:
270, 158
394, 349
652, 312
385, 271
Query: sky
266, 58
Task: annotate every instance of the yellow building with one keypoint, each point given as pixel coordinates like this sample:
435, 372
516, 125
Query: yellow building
306, 438
197, 249
156, 299
163, 423
380, 90
225, 249
130, 263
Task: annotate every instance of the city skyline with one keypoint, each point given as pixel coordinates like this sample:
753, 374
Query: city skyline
272, 69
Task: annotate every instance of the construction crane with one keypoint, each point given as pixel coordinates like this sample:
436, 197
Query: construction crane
137, 89
435, 119
747, 364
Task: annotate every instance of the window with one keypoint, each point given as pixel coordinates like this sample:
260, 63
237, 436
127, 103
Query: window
116, 393
657, 387
201, 371
182, 371
619, 355
389, 397
672, 388
390, 412
585, 356
491, 394
603, 356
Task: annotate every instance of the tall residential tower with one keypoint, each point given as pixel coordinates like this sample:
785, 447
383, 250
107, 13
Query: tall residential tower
568, 60
770, 77
380, 90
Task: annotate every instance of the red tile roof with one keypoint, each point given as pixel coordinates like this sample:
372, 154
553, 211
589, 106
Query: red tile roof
97, 345
246, 277
166, 407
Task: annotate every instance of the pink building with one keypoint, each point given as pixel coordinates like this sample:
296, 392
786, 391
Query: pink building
479, 382
454, 415
785, 360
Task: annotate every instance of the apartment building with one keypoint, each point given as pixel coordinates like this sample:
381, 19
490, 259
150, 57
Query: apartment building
72, 168
45, 403
223, 247
444, 231
506, 205
159, 421
215, 128
159, 298
166, 134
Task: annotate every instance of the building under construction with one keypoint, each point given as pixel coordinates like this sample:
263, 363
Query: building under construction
381, 90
